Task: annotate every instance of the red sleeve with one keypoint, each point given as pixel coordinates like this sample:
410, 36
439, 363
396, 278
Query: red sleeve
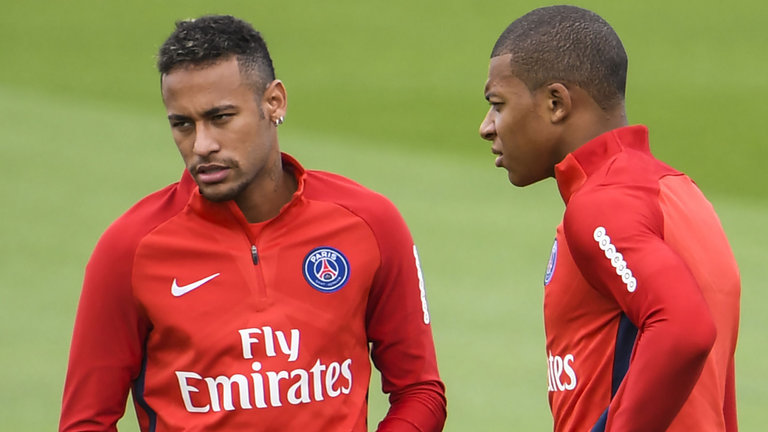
109, 332
400, 333
729, 404
616, 239
106, 351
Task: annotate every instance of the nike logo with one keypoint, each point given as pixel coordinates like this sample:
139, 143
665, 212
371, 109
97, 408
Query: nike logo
178, 291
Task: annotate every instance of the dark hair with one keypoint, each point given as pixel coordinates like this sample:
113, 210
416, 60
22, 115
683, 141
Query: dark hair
212, 38
567, 44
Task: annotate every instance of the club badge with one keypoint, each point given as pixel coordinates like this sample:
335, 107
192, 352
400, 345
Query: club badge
326, 269
551, 265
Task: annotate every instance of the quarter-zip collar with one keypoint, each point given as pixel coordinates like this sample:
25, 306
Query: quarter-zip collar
577, 166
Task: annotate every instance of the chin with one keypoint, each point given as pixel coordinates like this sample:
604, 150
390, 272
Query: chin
514, 179
231, 188
215, 197
218, 193
520, 181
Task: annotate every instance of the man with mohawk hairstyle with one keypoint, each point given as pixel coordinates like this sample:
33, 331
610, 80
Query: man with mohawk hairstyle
252, 294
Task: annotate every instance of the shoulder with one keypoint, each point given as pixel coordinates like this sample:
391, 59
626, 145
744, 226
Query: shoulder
622, 197
373, 209
623, 186
124, 234
356, 198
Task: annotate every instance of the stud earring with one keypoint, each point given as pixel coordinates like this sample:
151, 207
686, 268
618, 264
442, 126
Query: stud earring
279, 121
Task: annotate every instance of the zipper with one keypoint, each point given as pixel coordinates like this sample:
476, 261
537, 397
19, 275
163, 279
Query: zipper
256, 284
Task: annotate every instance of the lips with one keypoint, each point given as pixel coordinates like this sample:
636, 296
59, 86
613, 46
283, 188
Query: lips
211, 173
499, 156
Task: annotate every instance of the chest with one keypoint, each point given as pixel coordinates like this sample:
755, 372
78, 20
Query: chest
223, 290
574, 312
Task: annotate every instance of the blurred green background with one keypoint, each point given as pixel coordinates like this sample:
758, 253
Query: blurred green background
390, 94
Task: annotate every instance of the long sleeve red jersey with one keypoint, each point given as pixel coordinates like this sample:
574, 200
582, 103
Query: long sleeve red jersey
214, 323
641, 297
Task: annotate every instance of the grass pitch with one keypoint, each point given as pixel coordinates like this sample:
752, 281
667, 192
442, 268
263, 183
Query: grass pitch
390, 95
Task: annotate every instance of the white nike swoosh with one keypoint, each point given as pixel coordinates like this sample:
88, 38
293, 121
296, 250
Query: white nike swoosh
177, 290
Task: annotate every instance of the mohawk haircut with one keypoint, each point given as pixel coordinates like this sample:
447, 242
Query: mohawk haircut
212, 38
570, 45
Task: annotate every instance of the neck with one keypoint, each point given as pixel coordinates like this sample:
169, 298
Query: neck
265, 197
591, 124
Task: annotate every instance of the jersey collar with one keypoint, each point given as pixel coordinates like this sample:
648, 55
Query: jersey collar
577, 166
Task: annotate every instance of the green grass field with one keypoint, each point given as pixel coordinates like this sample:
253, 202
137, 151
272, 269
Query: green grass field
390, 94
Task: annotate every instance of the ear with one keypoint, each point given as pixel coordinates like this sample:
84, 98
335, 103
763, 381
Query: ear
275, 101
559, 102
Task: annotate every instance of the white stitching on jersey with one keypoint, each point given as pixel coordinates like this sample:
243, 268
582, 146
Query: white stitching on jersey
616, 258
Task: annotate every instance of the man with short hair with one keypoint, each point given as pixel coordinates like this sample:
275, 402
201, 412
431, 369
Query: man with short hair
246, 296
641, 297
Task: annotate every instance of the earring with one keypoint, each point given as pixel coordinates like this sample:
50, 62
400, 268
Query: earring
279, 121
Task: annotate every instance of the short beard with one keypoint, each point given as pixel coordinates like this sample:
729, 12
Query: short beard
233, 192
226, 195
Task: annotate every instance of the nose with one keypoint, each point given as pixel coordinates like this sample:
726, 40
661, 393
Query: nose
488, 128
205, 142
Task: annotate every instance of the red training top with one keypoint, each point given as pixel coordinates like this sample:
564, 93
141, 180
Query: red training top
641, 300
218, 324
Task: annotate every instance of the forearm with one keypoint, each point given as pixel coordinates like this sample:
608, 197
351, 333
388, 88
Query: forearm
419, 408
668, 360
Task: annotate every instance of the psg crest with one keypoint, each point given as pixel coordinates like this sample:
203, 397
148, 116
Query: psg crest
326, 269
551, 264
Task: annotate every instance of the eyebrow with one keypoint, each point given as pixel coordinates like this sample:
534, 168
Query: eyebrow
487, 90
207, 114
177, 117
217, 110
